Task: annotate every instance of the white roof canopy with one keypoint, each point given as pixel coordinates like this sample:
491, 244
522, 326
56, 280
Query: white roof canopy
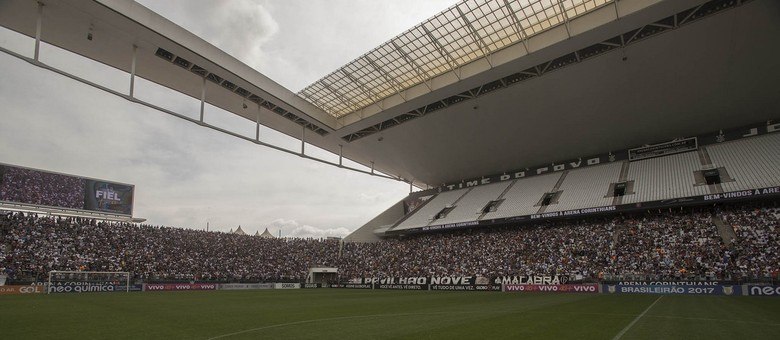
465, 32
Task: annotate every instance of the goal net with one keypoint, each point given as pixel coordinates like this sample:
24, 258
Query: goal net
87, 282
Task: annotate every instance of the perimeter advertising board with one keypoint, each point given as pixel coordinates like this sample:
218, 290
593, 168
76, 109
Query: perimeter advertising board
89, 287
463, 283
179, 286
245, 286
766, 290
590, 288
673, 289
42, 188
287, 286
452, 283
402, 286
15, 290
352, 285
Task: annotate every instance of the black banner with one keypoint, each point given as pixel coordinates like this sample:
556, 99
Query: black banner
351, 285
450, 283
532, 280
401, 286
663, 149
670, 283
474, 288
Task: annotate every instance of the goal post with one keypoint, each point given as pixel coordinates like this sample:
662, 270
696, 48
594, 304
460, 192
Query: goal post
87, 281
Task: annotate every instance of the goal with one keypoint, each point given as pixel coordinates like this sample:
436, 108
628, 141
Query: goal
87, 282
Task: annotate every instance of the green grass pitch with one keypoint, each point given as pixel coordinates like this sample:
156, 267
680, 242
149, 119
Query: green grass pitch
357, 314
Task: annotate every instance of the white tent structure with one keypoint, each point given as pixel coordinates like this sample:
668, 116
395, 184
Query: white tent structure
265, 234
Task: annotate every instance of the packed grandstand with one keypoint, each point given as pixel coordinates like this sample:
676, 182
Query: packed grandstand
679, 244
688, 211
697, 207
623, 151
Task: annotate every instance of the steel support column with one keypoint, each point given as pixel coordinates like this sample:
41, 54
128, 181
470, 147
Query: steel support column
257, 125
38, 24
303, 140
132, 71
202, 99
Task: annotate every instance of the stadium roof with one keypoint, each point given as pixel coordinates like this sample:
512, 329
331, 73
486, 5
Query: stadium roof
455, 37
577, 78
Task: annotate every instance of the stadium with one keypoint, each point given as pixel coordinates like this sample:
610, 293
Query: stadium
589, 169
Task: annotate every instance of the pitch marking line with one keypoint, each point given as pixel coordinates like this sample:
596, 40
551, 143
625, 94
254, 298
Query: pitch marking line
623, 332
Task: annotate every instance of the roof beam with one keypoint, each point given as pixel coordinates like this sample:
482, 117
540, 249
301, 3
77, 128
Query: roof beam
442, 51
368, 92
316, 100
398, 88
330, 97
341, 96
420, 73
517, 26
475, 35
565, 18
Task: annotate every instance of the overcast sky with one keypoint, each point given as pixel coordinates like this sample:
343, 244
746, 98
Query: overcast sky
187, 175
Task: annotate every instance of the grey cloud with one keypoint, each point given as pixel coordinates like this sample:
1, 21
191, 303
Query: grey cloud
186, 175
239, 27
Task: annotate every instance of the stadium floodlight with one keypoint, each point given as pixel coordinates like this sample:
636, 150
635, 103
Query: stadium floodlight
87, 282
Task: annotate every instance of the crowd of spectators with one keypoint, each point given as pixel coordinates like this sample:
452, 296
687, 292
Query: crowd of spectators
41, 188
683, 244
38, 245
673, 245
757, 243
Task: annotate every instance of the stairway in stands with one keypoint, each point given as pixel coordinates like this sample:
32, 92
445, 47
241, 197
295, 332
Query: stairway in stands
500, 197
618, 200
555, 189
454, 204
706, 163
725, 230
